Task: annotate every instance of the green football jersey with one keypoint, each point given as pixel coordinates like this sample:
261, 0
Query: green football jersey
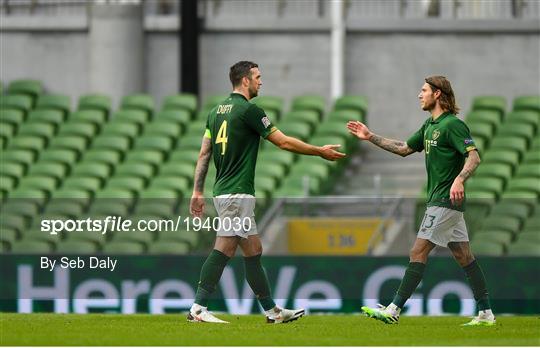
446, 142
235, 127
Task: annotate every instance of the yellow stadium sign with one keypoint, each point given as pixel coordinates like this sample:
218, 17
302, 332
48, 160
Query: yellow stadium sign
335, 236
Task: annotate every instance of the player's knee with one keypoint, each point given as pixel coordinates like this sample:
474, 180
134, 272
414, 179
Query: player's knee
417, 255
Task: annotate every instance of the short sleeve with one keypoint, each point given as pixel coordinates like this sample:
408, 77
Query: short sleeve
416, 141
207, 133
257, 120
460, 138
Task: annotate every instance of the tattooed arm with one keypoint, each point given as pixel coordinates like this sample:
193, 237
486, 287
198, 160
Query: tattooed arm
395, 146
457, 191
197, 199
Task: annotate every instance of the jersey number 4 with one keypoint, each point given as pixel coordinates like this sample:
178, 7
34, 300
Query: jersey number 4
222, 137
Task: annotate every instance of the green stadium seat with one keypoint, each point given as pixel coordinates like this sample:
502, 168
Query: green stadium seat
181, 117
196, 127
345, 115
524, 249
67, 207
186, 170
531, 102
159, 193
493, 236
295, 182
514, 143
37, 129
39, 182
532, 237
88, 116
76, 247
13, 116
55, 102
139, 170
123, 247
177, 183
92, 169
145, 156
508, 207
54, 117
202, 115
309, 102
270, 103
134, 184
502, 223
267, 184
36, 196
154, 142
334, 128
299, 130
190, 142
524, 116
522, 130
19, 102
107, 156
523, 196
169, 247
497, 170
79, 129
212, 101
184, 156
7, 130
157, 202
525, 184
163, 128
142, 237
86, 183
95, 102
109, 203
532, 157
111, 142
481, 130
22, 156
352, 102
27, 142
9, 235
74, 196
186, 101
138, 117
273, 170
121, 128
496, 103
143, 102
528, 170
52, 169
501, 156
69, 142
64, 156
277, 156
190, 237
490, 185
93, 237
28, 210
487, 248
305, 116
490, 117
7, 183
31, 247
29, 87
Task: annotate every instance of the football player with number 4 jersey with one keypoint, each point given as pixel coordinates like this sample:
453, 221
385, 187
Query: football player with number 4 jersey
233, 132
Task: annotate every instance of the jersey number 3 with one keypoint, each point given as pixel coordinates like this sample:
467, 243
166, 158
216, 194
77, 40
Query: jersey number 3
222, 137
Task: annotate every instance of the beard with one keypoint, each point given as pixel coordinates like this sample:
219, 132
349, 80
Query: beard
428, 106
253, 92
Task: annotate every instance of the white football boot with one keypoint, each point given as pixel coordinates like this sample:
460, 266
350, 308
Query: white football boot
200, 314
484, 318
282, 315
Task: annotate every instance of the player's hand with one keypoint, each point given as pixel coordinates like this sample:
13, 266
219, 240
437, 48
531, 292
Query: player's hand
457, 192
359, 130
196, 206
328, 152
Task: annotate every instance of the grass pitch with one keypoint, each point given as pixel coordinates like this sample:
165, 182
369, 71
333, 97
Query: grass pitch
331, 330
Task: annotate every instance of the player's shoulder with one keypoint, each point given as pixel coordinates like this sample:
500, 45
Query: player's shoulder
454, 121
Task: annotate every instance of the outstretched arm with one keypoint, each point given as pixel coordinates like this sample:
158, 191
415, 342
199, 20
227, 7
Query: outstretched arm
285, 142
361, 131
457, 191
197, 199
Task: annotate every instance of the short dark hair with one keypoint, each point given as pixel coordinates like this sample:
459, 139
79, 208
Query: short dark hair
240, 70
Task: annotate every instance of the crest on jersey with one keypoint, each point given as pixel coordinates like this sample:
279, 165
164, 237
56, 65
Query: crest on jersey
265, 121
435, 134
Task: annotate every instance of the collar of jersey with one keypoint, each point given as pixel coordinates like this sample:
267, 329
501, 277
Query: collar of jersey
233, 94
444, 114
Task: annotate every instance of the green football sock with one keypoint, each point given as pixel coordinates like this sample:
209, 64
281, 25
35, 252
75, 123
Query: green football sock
411, 279
210, 274
478, 285
257, 280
